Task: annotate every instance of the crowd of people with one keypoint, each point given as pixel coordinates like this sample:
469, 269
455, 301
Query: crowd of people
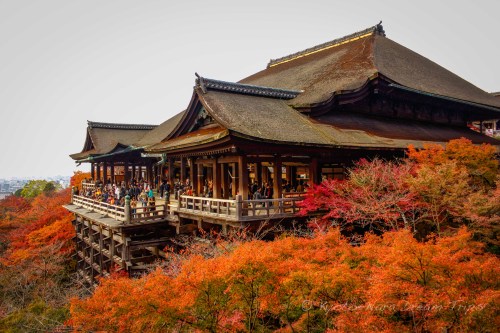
142, 193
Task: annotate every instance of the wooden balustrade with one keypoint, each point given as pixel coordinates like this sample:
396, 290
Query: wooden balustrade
124, 214
87, 186
240, 210
231, 210
208, 206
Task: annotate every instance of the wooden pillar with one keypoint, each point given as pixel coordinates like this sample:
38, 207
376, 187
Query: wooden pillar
148, 174
313, 171
288, 174
152, 174
98, 170
126, 174
200, 183
183, 170
112, 165
216, 182
170, 177
234, 180
277, 177
105, 172
258, 173
294, 176
265, 174
92, 171
243, 177
193, 175
225, 181
134, 175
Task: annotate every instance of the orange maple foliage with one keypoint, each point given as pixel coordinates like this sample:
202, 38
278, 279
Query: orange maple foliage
78, 178
30, 226
392, 283
35, 259
479, 160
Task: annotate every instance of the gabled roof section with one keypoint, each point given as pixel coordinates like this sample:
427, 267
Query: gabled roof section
162, 131
324, 46
350, 63
245, 89
105, 138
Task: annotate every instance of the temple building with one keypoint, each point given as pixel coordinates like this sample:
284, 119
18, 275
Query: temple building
306, 117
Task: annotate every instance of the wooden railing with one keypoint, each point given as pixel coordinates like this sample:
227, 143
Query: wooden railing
239, 209
87, 186
208, 206
269, 208
116, 212
232, 210
143, 214
125, 214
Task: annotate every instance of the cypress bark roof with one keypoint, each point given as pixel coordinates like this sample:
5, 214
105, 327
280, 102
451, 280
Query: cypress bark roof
104, 138
350, 63
161, 132
273, 120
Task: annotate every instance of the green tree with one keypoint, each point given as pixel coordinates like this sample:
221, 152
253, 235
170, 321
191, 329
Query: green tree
36, 187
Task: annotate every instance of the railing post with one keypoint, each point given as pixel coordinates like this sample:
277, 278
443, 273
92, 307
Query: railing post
239, 205
73, 191
281, 204
127, 209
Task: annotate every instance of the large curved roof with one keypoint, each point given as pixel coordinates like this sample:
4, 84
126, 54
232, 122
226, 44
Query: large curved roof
348, 63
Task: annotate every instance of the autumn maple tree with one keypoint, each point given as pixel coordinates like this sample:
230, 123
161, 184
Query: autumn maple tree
391, 283
35, 259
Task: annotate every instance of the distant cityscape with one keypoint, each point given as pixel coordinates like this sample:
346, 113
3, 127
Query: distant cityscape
10, 186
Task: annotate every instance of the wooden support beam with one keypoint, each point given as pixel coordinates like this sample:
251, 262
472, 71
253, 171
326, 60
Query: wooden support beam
92, 171
313, 171
112, 166
170, 175
217, 184
200, 182
206, 161
101, 246
243, 177
126, 174
258, 173
288, 171
225, 181
234, 180
98, 171
193, 175
228, 159
183, 170
104, 172
265, 174
91, 254
277, 174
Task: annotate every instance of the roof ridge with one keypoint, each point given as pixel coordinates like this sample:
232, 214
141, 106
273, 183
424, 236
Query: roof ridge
94, 124
247, 89
336, 42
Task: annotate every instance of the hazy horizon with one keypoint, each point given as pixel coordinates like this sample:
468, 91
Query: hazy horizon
65, 62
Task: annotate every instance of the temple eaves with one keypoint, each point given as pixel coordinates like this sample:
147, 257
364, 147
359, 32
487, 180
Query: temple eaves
247, 89
93, 124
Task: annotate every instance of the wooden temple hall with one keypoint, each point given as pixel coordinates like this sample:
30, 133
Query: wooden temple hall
304, 118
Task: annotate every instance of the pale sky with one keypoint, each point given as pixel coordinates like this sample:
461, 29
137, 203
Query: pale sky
65, 62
